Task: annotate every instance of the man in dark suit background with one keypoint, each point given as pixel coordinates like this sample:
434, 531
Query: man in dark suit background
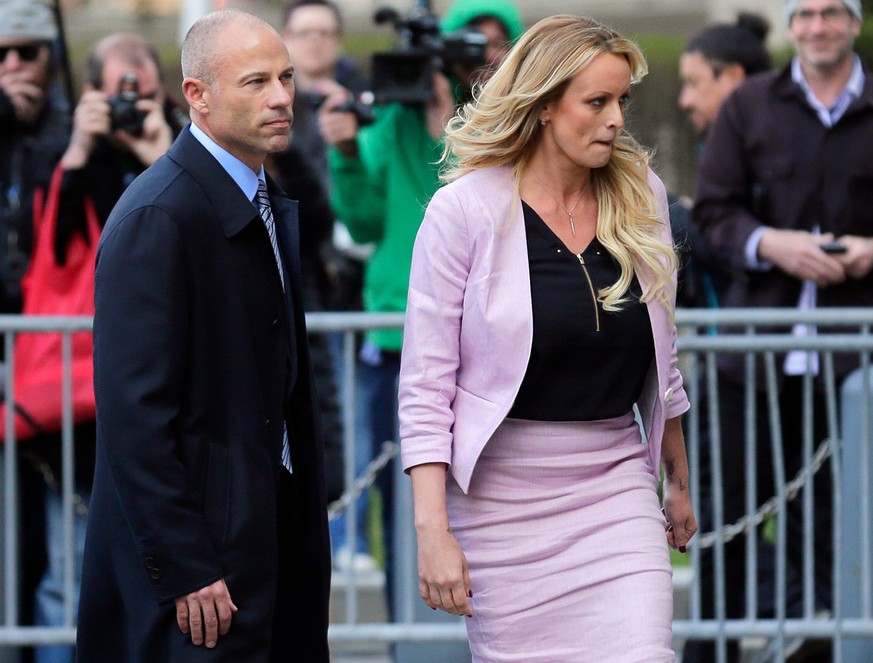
208, 523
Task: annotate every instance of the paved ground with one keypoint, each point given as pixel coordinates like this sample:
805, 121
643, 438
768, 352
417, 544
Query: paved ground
371, 608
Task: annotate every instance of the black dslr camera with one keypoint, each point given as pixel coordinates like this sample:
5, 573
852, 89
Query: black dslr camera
405, 74
123, 112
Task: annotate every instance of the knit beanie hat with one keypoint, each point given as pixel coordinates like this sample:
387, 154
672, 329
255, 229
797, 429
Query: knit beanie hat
854, 6
27, 19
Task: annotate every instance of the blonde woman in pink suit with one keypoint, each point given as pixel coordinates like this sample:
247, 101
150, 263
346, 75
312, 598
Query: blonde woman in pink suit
540, 316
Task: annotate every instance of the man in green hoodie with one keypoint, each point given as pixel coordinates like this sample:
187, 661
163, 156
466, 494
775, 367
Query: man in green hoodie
384, 175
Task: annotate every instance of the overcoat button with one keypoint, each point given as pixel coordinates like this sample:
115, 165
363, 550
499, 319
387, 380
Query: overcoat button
155, 574
149, 562
668, 393
275, 323
269, 424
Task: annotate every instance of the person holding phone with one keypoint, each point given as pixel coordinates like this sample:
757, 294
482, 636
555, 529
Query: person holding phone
785, 190
540, 315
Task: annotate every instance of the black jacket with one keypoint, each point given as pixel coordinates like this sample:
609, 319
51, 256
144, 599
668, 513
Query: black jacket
199, 356
28, 154
769, 161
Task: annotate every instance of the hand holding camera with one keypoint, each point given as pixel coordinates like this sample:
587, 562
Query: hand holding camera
338, 127
90, 120
154, 135
128, 120
124, 114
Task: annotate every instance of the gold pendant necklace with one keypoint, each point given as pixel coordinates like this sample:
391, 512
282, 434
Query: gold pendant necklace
568, 212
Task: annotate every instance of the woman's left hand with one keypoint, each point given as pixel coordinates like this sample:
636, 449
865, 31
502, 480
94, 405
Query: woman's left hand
681, 524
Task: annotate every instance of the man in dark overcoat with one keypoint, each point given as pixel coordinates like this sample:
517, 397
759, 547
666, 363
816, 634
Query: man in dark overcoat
207, 537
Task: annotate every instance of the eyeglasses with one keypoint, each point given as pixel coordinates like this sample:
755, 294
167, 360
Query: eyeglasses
309, 33
26, 52
828, 15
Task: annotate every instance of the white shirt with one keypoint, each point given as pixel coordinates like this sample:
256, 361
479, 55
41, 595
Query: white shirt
245, 178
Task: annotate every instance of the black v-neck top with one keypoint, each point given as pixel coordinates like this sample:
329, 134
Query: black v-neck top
575, 372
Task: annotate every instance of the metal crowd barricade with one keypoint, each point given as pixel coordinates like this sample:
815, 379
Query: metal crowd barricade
848, 331
698, 348
11, 632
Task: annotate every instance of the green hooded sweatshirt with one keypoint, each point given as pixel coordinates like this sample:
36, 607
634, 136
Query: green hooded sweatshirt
381, 195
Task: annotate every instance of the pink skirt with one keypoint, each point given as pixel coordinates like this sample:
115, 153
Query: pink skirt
565, 542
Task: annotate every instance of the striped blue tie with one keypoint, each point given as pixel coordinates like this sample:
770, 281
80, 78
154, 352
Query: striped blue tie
267, 217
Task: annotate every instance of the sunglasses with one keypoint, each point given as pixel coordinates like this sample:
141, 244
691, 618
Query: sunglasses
26, 52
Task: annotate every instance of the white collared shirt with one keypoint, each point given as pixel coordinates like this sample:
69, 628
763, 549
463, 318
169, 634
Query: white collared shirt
245, 178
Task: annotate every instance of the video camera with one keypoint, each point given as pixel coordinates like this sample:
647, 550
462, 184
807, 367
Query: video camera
405, 73
123, 112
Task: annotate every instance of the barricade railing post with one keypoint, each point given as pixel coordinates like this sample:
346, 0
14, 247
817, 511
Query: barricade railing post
855, 589
10, 494
67, 480
7, 592
350, 453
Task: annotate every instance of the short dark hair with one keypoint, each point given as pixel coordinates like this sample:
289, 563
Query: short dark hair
741, 43
291, 7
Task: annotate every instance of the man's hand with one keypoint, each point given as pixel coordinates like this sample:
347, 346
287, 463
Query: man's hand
156, 138
90, 120
328, 87
797, 253
206, 613
858, 258
27, 98
338, 129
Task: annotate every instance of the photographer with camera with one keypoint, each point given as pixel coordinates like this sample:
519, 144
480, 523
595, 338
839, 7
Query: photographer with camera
312, 30
332, 265
123, 123
383, 175
124, 120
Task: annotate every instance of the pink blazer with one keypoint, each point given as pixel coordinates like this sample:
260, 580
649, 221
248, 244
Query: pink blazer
469, 327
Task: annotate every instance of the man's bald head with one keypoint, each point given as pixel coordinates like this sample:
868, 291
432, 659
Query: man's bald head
202, 43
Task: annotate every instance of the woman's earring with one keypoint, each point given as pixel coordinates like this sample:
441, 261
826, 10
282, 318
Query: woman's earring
543, 121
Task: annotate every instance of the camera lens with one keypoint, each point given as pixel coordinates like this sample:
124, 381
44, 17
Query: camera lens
123, 112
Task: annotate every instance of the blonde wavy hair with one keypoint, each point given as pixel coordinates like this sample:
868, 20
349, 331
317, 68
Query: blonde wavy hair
500, 127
